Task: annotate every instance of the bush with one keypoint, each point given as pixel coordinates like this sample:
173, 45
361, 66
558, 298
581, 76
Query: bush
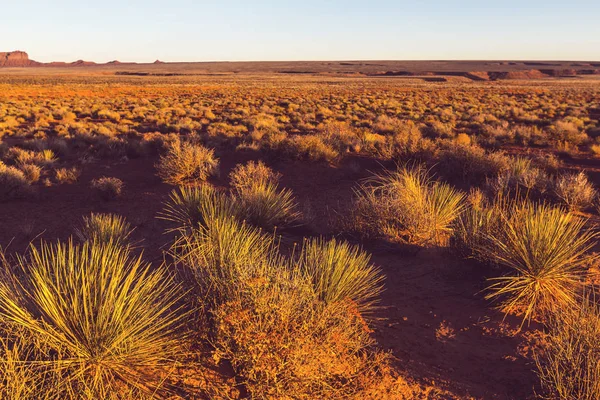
340, 272
406, 204
13, 183
545, 251
32, 172
261, 202
187, 164
575, 191
100, 321
108, 188
470, 164
67, 175
104, 228
309, 147
569, 365
269, 324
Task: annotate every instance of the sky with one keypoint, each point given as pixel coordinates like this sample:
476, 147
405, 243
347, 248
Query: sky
236, 30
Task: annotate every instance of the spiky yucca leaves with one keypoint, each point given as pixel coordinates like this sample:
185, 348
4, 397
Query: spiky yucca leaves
189, 206
569, 365
546, 250
407, 204
262, 203
106, 319
224, 253
187, 164
339, 271
104, 228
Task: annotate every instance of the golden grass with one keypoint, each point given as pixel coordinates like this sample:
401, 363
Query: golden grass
406, 204
569, 363
187, 164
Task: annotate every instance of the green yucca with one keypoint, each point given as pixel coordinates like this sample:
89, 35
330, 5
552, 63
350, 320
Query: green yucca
261, 202
189, 206
106, 320
407, 203
223, 253
546, 250
340, 271
104, 228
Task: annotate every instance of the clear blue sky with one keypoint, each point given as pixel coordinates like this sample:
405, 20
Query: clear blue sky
196, 30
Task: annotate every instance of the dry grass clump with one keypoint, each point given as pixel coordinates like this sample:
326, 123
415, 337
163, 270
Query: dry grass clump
261, 202
67, 175
544, 249
32, 172
406, 204
98, 321
569, 365
108, 188
187, 164
13, 183
575, 191
104, 228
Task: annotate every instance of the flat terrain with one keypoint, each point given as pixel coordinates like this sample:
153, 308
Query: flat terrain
433, 318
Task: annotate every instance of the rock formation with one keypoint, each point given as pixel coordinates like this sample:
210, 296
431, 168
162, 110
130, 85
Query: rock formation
16, 59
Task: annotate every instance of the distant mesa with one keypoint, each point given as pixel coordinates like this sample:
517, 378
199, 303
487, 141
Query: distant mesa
158, 62
16, 59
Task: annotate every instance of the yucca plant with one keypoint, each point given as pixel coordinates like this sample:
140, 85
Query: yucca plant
104, 228
339, 271
189, 206
569, 365
187, 164
262, 203
223, 253
108, 321
406, 203
546, 250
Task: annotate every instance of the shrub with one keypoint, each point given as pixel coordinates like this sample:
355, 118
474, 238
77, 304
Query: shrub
569, 365
108, 188
545, 251
261, 202
406, 204
67, 175
270, 325
470, 164
309, 147
32, 172
575, 191
104, 228
187, 164
103, 321
13, 183
339, 272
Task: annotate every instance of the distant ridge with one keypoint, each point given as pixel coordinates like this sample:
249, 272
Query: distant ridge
434, 70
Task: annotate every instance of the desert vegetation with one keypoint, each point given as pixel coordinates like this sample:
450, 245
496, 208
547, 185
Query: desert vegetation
299, 237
